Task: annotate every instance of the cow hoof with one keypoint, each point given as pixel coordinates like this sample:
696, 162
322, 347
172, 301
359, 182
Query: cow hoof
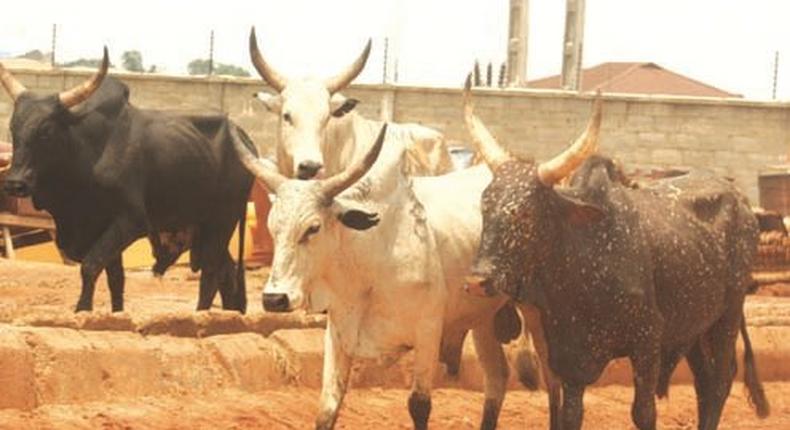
81, 307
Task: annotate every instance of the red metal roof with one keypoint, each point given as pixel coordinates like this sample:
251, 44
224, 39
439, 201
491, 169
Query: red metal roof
640, 78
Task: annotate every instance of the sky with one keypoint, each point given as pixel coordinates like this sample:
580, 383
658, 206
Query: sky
729, 44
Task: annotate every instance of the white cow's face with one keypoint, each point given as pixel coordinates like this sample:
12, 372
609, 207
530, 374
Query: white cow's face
304, 107
306, 231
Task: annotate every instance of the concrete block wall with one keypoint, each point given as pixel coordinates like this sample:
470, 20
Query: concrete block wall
733, 137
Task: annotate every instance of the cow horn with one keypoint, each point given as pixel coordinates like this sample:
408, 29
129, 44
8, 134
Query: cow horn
11, 84
489, 148
552, 171
335, 185
341, 80
81, 92
269, 175
271, 76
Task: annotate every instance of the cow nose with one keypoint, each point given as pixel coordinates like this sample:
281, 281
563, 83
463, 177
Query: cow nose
308, 169
276, 302
479, 286
17, 188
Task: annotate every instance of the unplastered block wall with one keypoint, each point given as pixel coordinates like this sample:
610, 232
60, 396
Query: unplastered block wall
733, 137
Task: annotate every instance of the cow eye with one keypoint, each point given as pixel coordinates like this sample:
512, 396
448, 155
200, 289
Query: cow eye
313, 229
287, 118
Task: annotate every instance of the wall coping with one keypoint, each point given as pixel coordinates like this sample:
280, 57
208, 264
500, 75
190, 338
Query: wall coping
403, 88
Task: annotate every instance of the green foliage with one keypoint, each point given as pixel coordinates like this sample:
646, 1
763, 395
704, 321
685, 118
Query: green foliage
84, 62
201, 66
133, 61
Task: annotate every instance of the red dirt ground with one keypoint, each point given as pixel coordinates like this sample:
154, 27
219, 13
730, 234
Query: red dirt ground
292, 408
37, 289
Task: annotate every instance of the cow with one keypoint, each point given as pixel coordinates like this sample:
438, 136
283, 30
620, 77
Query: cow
110, 173
5, 156
319, 133
385, 255
654, 274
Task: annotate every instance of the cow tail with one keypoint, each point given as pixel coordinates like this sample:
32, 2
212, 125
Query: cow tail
754, 386
241, 282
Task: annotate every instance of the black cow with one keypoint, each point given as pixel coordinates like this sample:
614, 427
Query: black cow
653, 274
110, 173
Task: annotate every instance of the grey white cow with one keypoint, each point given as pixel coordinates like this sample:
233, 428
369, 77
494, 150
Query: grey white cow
320, 134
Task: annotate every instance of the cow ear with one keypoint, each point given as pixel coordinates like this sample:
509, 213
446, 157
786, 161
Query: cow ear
358, 220
341, 106
272, 102
578, 212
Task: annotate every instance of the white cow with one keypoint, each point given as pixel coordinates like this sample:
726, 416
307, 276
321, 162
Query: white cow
319, 133
386, 256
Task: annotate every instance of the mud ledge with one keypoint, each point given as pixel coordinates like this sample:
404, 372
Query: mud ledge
61, 365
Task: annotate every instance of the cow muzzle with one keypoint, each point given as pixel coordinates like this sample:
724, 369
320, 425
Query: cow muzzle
276, 302
308, 169
16, 188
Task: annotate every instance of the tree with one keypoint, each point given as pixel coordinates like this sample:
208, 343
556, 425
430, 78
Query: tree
198, 67
133, 61
84, 62
201, 66
230, 69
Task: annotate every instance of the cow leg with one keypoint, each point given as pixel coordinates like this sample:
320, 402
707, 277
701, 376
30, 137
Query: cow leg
722, 339
216, 275
121, 233
699, 363
646, 365
572, 405
334, 381
210, 278
115, 282
533, 324
669, 361
426, 356
234, 296
495, 367
216, 264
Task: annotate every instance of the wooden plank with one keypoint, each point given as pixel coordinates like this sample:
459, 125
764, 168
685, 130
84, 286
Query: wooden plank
12, 220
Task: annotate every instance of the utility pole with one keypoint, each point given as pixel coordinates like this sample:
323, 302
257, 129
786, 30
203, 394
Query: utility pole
573, 45
518, 32
211, 55
386, 60
776, 74
54, 39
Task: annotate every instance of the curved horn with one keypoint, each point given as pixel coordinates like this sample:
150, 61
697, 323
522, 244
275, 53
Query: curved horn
341, 80
11, 84
552, 171
489, 148
268, 174
335, 185
271, 76
81, 92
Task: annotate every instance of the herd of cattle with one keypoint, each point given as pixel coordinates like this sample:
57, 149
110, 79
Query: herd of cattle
371, 226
